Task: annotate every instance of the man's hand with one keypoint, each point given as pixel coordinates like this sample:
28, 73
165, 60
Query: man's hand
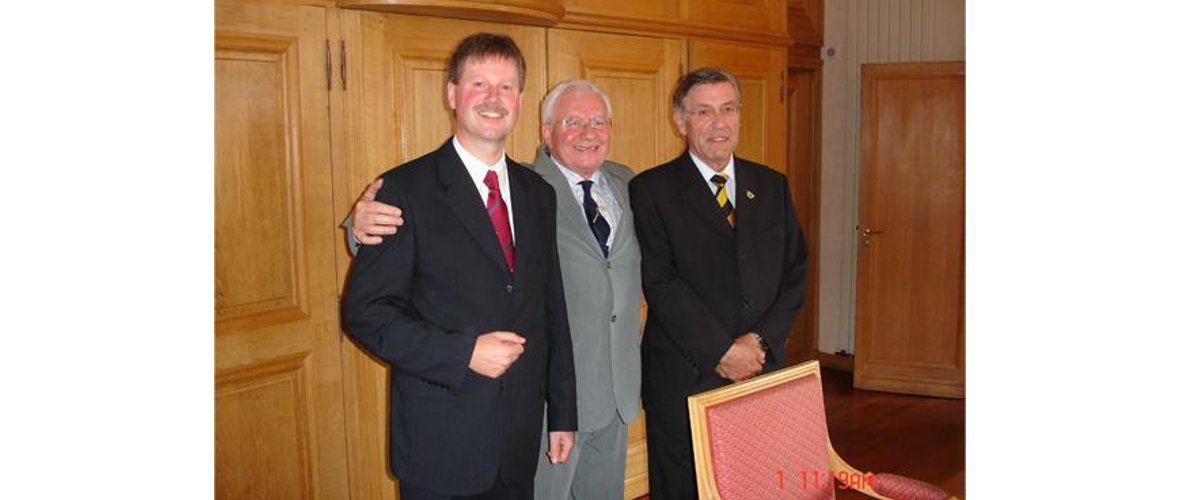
371, 219
495, 352
743, 360
561, 443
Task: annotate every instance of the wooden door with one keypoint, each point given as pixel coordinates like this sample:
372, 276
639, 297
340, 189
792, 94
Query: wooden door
279, 426
762, 73
638, 74
394, 110
909, 298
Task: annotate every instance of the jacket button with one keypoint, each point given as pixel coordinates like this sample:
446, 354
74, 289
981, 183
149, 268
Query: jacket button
510, 289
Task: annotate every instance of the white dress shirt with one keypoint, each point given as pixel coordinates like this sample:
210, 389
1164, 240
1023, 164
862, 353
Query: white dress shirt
707, 172
478, 170
600, 192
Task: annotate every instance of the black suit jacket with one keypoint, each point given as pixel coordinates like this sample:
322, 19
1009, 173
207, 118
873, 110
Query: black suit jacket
419, 299
707, 283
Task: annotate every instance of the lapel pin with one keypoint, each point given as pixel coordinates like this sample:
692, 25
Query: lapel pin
749, 195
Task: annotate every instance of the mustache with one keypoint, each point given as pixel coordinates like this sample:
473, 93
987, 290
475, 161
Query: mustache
494, 107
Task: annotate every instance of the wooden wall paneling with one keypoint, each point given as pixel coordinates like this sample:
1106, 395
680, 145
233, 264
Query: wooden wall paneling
279, 427
910, 303
680, 18
653, 10
526, 12
638, 74
804, 105
803, 115
805, 21
418, 48
364, 142
768, 17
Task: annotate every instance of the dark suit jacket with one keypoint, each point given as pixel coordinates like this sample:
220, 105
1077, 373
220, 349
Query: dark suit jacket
419, 299
707, 283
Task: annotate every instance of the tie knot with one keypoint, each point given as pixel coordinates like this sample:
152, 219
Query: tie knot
586, 185
720, 179
492, 181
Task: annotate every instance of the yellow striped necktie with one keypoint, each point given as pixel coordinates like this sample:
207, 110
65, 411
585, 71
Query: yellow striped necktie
723, 198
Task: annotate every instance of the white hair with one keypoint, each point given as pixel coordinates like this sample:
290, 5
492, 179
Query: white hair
560, 89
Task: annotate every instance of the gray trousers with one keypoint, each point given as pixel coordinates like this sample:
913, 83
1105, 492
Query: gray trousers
594, 470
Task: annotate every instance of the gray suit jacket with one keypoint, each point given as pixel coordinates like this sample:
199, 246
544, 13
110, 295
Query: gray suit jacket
603, 299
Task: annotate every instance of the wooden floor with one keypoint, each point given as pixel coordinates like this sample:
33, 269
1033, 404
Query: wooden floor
920, 437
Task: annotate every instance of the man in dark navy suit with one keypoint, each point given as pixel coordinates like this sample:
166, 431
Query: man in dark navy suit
465, 301
723, 264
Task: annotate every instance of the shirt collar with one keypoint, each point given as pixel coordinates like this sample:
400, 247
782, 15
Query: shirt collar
573, 177
475, 166
707, 172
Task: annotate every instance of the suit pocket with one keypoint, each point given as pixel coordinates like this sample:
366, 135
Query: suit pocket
415, 387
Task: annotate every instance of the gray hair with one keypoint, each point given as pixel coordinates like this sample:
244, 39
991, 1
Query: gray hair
702, 76
560, 89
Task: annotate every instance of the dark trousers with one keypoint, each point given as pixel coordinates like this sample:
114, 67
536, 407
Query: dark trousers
499, 491
670, 468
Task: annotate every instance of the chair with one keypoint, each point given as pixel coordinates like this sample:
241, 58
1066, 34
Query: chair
767, 438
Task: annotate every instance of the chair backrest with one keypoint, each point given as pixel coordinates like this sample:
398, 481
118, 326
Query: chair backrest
764, 438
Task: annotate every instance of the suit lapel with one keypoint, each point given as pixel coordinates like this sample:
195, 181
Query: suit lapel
569, 208
747, 204
699, 197
618, 186
464, 201
524, 229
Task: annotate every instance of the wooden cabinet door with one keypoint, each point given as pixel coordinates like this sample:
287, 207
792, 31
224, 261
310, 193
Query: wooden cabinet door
394, 110
638, 74
909, 289
762, 73
279, 426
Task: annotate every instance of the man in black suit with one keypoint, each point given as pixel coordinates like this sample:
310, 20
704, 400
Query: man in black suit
465, 302
723, 265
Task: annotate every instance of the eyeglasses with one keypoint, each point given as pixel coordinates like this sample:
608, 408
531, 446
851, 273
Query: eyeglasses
709, 113
578, 123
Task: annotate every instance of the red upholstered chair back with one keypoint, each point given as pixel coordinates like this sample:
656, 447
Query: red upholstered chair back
764, 438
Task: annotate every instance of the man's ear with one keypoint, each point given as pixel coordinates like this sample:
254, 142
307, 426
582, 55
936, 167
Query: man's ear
547, 136
451, 87
678, 117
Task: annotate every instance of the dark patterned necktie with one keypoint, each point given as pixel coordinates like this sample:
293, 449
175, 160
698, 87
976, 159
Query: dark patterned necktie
598, 224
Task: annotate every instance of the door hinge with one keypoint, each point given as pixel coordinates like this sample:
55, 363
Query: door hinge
328, 62
343, 67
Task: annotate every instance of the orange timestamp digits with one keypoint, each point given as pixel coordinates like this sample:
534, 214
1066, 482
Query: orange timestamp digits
817, 479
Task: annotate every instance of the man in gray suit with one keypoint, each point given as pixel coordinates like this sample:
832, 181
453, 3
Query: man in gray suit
599, 257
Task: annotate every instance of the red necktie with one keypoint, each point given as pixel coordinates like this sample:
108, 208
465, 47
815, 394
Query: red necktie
498, 211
